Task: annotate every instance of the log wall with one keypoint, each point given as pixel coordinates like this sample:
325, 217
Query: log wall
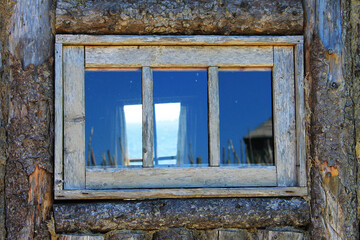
26, 121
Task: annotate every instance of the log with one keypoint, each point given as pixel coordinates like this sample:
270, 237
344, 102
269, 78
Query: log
3, 121
188, 213
280, 17
332, 42
27, 113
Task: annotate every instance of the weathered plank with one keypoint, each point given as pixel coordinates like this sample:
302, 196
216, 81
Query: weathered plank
197, 40
201, 213
300, 115
281, 17
284, 116
80, 237
173, 56
147, 118
58, 174
214, 125
128, 194
74, 117
180, 177
280, 235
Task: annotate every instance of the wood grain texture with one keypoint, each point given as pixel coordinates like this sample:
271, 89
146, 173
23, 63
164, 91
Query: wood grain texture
147, 118
176, 40
180, 177
128, 194
284, 116
300, 115
174, 56
80, 237
26, 118
195, 213
214, 121
281, 235
74, 117
255, 17
332, 66
58, 174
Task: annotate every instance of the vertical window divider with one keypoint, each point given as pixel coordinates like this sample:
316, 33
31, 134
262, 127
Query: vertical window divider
147, 117
214, 120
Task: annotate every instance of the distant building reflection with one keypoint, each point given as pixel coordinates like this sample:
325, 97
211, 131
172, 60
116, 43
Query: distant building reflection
260, 144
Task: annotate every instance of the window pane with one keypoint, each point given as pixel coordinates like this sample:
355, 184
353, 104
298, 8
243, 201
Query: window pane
180, 121
246, 134
113, 118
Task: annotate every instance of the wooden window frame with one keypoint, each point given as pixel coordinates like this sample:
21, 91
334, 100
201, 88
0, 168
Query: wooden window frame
75, 53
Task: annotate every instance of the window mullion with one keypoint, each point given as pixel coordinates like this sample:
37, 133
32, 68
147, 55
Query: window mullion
147, 117
214, 132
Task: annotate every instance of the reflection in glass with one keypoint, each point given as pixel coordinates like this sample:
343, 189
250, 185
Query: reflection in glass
113, 116
246, 134
167, 128
180, 117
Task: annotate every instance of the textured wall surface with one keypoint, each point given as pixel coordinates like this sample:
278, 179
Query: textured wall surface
180, 17
26, 129
3, 118
189, 213
182, 234
26, 124
331, 48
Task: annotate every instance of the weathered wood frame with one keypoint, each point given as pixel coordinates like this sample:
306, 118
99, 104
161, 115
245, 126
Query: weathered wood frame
283, 54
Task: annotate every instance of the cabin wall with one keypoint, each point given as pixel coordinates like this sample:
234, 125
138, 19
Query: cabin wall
219, 218
27, 210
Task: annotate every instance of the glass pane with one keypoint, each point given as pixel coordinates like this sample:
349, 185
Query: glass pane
246, 133
180, 121
113, 118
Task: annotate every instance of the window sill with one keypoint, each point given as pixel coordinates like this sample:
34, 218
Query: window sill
130, 194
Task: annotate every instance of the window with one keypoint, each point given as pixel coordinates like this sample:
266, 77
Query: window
175, 116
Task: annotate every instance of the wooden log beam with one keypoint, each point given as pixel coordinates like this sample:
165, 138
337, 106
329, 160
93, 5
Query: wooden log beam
188, 213
332, 30
28, 111
280, 17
